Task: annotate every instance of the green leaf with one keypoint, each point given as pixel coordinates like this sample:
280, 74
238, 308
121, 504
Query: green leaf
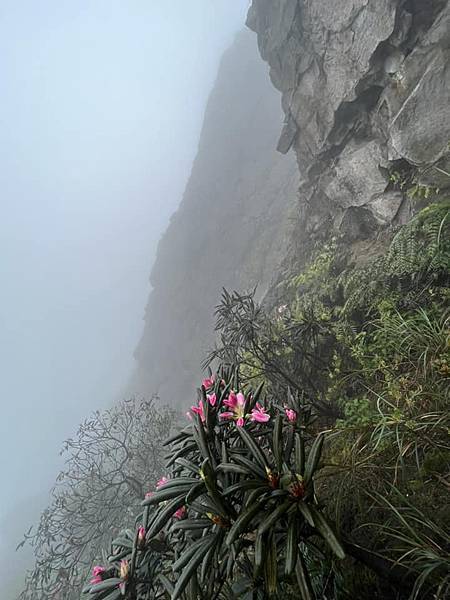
256, 493
274, 516
259, 553
187, 449
191, 524
168, 586
114, 595
189, 465
210, 554
244, 486
257, 394
164, 513
304, 509
201, 439
303, 581
118, 557
190, 568
195, 491
182, 561
314, 457
323, 527
209, 477
270, 566
107, 584
291, 546
224, 459
278, 442
254, 468
299, 454
232, 468
289, 445
167, 494
253, 447
240, 525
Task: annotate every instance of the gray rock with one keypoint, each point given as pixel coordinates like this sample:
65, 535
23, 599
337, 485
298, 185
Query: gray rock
386, 207
357, 177
367, 84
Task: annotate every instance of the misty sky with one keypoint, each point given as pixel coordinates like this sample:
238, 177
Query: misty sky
100, 113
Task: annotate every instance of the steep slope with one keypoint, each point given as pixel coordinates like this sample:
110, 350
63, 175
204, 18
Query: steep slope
231, 229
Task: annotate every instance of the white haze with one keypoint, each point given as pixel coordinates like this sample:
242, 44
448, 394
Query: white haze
101, 108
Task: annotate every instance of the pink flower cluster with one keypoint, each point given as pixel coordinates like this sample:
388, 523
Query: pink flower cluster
236, 404
291, 414
97, 574
208, 382
199, 408
161, 482
180, 513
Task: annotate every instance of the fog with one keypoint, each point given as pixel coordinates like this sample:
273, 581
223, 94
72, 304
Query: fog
101, 108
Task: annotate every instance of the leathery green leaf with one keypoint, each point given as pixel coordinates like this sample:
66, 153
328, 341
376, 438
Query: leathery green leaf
252, 446
270, 566
183, 560
303, 581
314, 456
299, 454
325, 530
240, 525
191, 568
291, 545
274, 516
278, 442
163, 514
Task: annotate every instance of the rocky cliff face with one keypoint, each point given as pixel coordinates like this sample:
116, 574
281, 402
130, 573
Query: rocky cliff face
366, 93
231, 229
365, 88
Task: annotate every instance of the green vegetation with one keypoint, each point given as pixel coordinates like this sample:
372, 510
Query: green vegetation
316, 461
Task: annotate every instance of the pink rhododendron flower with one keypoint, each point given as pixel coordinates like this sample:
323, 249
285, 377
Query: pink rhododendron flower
141, 536
161, 482
208, 382
259, 414
236, 402
97, 573
180, 513
149, 494
198, 410
291, 414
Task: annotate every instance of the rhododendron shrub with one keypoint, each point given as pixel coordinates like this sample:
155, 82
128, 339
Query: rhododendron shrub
236, 509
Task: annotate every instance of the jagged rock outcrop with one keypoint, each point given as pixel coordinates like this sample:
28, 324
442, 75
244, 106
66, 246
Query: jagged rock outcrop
366, 92
231, 229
